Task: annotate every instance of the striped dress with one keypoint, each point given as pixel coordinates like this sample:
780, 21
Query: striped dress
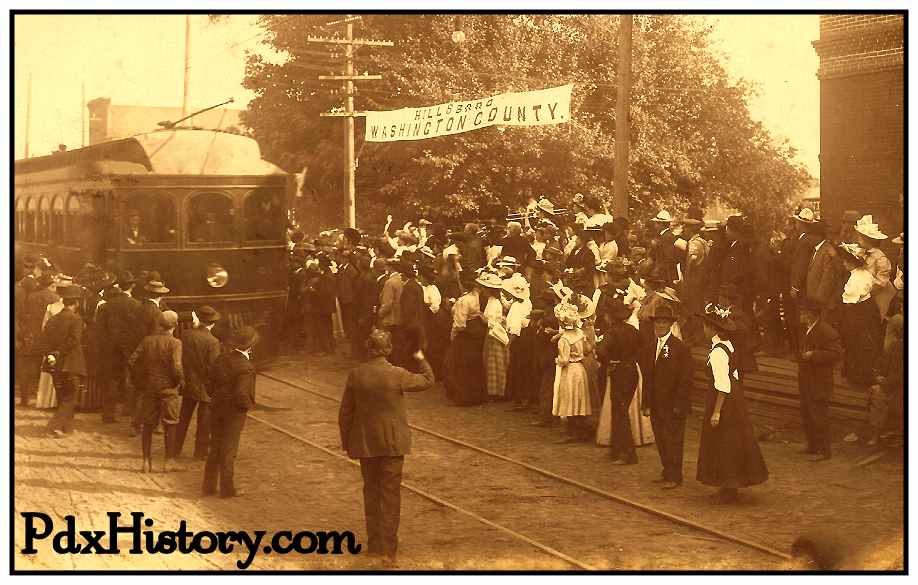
496, 355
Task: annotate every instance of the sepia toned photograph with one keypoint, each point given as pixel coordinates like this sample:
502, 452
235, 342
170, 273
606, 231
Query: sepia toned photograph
493, 291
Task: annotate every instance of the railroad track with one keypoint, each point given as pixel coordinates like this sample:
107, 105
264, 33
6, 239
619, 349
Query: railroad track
314, 389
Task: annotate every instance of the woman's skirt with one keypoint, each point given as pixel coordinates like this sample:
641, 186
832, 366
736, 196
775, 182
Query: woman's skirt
496, 358
522, 370
47, 397
729, 454
641, 430
860, 332
571, 392
465, 383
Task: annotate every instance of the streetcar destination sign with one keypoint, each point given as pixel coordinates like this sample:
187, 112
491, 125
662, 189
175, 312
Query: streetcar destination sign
529, 108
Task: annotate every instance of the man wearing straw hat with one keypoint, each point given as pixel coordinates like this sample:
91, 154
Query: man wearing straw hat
153, 306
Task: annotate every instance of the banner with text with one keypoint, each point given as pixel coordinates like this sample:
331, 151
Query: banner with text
528, 108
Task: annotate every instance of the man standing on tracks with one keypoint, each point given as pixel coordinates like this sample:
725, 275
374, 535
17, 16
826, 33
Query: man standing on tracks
666, 365
374, 429
117, 320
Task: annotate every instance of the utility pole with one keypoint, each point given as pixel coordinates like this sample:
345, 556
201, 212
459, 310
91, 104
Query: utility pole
350, 44
620, 199
28, 117
185, 84
83, 115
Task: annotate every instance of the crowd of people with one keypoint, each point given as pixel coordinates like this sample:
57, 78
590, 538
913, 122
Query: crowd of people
567, 314
574, 315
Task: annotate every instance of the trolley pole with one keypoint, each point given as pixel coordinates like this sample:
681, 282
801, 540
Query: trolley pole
185, 81
620, 200
28, 116
350, 162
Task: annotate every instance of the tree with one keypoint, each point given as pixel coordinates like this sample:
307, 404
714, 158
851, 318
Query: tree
693, 138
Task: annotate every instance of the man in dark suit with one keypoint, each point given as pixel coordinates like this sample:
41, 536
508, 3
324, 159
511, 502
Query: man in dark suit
823, 278
515, 245
374, 429
152, 306
346, 281
662, 252
200, 349
62, 338
666, 365
412, 311
820, 348
799, 254
117, 320
232, 381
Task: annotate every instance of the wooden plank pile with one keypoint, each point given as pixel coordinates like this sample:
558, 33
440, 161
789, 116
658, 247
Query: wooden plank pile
772, 395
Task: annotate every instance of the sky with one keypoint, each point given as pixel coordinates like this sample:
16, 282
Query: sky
138, 60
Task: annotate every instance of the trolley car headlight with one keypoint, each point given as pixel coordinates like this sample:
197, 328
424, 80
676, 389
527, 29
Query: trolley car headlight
217, 276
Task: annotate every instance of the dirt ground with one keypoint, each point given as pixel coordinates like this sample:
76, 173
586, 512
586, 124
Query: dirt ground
291, 486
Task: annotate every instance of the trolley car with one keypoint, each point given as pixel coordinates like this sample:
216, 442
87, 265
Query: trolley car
201, 207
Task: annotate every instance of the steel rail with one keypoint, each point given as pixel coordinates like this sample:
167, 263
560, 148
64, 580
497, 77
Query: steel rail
425, 494
586, 487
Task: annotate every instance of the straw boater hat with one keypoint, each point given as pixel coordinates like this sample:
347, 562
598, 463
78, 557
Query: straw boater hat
156, 286
517, 286
868, 229
662, 217
721, 318
805, 215
899, 240
546, 205
507, 262
669, 293
711, 225
490, 280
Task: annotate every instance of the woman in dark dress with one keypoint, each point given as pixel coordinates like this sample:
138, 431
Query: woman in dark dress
465, 380
859, 319
729, 457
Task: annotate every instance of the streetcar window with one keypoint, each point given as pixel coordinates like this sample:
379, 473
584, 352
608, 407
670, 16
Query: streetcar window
265, 217
31, 217
44, 219
149, 220
209, 217
20, 218
57, 219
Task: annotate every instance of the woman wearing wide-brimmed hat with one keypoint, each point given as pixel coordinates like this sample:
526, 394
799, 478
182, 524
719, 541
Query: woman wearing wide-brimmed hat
859, 318
728, 455
870, 238
522, 364
571, 398
495, 351
465, 381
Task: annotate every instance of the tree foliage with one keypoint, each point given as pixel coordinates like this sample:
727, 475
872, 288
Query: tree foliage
693, 140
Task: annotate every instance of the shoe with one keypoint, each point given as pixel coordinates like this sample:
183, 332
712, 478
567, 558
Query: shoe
851, 438
658, 480
146, 466
57, 433
818, 457
670, 485
173, 465
623, 462
389, 562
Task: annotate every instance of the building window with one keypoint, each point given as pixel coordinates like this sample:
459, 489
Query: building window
265, 216
210, 217
44, 218
75, 220
57, 219
149, 220
20, 218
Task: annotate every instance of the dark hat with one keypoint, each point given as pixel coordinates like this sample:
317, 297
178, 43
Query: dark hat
243, 338
71, 292
186, 316
352, 235
719, 317
695, 213
126, 277
663, 310
207, 314
45, 280
850, 216
31, 261
105, 280
736, 222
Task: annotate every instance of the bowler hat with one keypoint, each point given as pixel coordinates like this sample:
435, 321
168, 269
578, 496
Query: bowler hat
243, 338
71, 292
207, 314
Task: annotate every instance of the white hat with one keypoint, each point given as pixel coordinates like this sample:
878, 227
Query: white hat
490, 280
806, 215
663, 217
517, 286
867, 228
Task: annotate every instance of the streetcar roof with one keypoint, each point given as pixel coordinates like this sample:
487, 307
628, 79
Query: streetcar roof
164, 152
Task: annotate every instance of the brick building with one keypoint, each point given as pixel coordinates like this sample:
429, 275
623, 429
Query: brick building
862, 116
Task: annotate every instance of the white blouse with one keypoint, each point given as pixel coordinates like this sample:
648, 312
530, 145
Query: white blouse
518, 316
720, 365
432, 297
858, 287
494, 312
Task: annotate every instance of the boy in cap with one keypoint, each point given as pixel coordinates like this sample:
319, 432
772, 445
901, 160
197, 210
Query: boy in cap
232, 381
157, 372
61, 343
199, 351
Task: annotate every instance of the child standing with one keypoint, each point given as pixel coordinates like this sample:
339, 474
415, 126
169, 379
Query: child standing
571, 399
